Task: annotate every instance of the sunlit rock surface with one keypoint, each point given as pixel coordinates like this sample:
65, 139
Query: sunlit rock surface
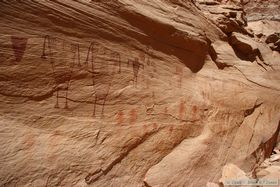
133, 93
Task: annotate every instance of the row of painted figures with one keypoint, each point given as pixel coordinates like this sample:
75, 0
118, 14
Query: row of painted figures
19, 45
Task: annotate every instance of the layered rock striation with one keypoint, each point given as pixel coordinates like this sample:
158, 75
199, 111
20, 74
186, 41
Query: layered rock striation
133, 93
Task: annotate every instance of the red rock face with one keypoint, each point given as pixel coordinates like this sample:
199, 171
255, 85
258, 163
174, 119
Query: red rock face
134, 93
262, 10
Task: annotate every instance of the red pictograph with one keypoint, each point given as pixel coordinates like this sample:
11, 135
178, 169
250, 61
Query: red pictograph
170, 129
182, 109
155, 126
53, 141
120, 117
133, 116
136, 65
194, 111
89, 54
19, 45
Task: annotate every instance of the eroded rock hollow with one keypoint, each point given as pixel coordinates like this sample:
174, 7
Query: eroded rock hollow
137, 93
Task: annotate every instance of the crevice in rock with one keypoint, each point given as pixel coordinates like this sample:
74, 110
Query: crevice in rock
244, 54
38, 97
251, 110
254, 81
272, 142
91, 178
214, 57
146, 184
264, 150
253, 129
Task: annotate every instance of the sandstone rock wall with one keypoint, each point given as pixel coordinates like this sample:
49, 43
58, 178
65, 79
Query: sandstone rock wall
262, 10
132, 93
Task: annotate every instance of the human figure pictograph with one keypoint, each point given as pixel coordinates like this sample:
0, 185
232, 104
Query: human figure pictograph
120, 117
136, 66
19, 45
101, 94
182, 109
48, 54
76, 57
133, 116
47, 50
90, 62
46, 45
77, 54
100, 98
90, 54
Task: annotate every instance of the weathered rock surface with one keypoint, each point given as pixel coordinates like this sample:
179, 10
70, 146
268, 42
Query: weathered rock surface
274, 41
133, 93
264, 27
228, 17
262, 9
232, 173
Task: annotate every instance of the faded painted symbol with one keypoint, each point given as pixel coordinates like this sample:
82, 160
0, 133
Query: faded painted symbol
136, 66
46, 46
194, 111
182, 109
19, 46
120, 117
102, 96
68, 77
53, 140
133, 116
90, 55
76, 57
145, 57
47, 50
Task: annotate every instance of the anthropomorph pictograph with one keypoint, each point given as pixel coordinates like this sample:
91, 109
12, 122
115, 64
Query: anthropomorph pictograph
46, 46
133, 116
101, 97
47, 53
75, 48
90, 60
136, 67
194, 111
47, 50
102, 93
120, 117
19, 45
90, 56
182, 109
52, 141
145, 57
